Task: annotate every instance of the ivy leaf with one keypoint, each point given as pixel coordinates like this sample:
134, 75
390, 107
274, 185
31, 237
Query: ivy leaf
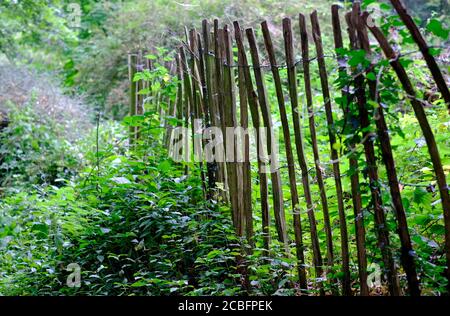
435, 51
437, 229
357, 57
144, 91
406, 62
139, 283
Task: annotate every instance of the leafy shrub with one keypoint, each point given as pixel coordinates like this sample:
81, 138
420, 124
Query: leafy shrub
136, 226
33, 152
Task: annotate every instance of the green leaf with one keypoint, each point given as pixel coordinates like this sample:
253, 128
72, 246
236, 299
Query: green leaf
438, 229
357, 57
144, 91
164, 166
421, 196
435, 26
371, 76
337, 146
139, 283
406, 62
151, 56
385, 6
435, 51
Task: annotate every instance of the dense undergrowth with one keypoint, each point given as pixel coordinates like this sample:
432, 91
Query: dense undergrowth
132, 221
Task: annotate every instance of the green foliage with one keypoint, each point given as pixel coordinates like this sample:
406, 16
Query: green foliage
133, 222
33, 151
136, 238
436, 27
132, 219
35, 28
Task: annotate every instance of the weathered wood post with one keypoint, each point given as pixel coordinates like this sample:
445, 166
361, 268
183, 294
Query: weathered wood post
419, 111
354, 176
132, 62
298, 233
277, 193
371, 165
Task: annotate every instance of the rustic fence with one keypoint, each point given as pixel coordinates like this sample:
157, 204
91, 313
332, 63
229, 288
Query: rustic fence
226, 87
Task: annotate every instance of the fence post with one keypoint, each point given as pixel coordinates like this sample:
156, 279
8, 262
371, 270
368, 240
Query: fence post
423, 46
229, 118
211, 167
218, 43
197, 95
188, 102
334, 154
292, 81
353, 163
298, 232
407, 259
312, 129
132, 61
371, 164
253, 104
245, 165
211, 103
280, 220
426, 129
178, 107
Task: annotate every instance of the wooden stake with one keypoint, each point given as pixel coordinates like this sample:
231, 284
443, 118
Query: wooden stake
312, 129
425, 49
253, 104
245, 165
198, 108
407, 257
289, 48
334, 154
179, 106
219, 97
132, 61
354, 176
289, 156
426, 130
230, 122
211, 167
188, 102
278, 207
211, 103
372, 169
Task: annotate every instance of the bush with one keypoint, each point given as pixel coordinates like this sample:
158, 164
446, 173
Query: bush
33, 151
135, 226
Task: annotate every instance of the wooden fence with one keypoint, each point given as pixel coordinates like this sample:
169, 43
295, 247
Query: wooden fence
225, 87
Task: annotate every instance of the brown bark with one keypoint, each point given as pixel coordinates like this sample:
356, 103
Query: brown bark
277, 193
253, 104
425, 49
407, 253
372, 169
317, 257
289, 156
334, 154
